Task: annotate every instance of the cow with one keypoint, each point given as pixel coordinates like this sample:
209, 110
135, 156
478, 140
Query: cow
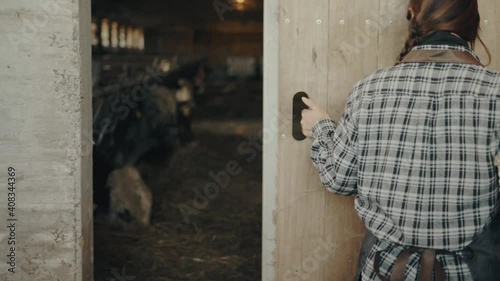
134, 124
130, 198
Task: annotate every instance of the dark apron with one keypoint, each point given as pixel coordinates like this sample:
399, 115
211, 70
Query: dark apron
483, 255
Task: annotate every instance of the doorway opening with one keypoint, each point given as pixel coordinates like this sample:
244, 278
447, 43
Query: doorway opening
177, 104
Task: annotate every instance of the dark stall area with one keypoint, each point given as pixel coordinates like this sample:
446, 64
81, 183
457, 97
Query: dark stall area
177, 121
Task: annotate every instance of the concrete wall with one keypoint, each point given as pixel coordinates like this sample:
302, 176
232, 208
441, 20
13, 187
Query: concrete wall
45, 121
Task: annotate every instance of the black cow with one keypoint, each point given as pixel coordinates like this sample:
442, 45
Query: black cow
129, 128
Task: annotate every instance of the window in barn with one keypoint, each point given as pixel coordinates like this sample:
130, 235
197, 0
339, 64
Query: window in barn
105, 33
130, 37
135, 38
138, 39
140, 45
122, 37
114, 34
95, 37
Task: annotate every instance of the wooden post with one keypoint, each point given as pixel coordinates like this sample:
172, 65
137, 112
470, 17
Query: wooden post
322, 47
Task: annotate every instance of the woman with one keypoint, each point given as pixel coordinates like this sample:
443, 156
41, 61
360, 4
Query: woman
416, 146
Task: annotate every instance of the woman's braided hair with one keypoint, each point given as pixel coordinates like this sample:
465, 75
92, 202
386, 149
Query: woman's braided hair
415, 37
458, 16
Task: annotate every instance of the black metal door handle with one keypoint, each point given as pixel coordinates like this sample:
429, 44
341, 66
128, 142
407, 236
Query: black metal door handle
298, 106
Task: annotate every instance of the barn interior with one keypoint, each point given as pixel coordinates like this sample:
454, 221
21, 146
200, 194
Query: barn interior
177, 116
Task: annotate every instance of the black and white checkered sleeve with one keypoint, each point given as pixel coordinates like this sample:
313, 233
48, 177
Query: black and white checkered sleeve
334, 153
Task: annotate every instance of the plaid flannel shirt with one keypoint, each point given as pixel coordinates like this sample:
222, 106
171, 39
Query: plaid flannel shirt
416, 147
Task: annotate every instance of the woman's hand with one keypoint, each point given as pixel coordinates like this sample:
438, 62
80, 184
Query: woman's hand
311, 116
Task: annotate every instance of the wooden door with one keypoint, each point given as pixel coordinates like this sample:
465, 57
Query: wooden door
322, 47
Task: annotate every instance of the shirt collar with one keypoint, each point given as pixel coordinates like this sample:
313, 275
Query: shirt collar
444, 38
446, 47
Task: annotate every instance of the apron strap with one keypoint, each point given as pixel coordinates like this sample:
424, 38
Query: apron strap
449, 56
428, 265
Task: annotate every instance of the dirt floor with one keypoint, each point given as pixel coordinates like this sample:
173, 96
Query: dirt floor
216, 239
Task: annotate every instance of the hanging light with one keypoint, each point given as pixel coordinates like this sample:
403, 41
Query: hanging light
241, 5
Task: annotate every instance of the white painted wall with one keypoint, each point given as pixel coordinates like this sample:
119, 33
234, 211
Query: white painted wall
45, 122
